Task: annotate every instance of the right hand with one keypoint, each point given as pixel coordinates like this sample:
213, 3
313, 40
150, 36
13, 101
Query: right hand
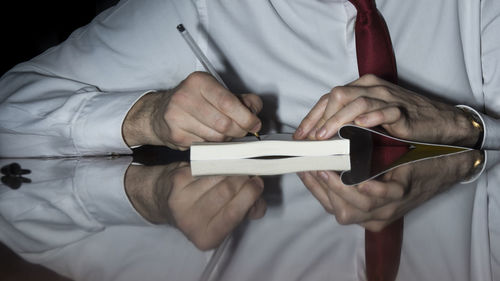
198, 109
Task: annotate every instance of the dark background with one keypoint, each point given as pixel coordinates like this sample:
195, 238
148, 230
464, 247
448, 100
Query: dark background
27, 28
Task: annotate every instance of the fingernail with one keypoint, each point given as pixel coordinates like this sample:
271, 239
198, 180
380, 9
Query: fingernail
361, 120
299, 133
323, 175
256, 128
322, 133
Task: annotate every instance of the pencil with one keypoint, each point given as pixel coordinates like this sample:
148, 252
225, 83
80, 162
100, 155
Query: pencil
203, 59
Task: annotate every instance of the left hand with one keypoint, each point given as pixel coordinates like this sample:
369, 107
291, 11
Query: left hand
371, 101
374, 204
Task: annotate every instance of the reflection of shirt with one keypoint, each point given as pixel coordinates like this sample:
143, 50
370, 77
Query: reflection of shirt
75, 218
73, 98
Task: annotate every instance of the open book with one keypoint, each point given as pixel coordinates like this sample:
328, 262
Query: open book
361, 154
269, 145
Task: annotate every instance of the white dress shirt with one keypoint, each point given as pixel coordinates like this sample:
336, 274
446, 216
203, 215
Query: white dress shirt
73, 98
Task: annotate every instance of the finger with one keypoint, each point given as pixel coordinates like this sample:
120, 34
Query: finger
350, 194
344, 212
217, 197
389, 212
190, 130
258, 210
390, 190
220, 124
347, 114
312, 118
253, 102
316, 190
382, 116
236, 209
229, 104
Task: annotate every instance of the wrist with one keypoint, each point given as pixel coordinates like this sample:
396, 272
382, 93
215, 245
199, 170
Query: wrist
140, 183
137, 128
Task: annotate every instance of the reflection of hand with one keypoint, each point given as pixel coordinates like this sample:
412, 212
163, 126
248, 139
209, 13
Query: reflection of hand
371, 101
205, 209
199, 109
376, 203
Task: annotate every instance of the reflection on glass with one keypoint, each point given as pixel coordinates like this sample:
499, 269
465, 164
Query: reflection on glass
101, 219
205, 209
376, 203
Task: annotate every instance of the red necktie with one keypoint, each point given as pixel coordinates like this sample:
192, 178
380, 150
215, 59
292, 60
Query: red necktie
375, 56
373, 42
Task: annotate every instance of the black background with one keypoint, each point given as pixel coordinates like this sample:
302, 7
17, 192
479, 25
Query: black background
28, 28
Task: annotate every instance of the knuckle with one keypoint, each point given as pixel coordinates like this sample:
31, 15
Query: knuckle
382, 91
362, 103
202, 243
180, 97
222, 124
195, 78
180, 139
370, 79
343, 217
232, 213
225, 191
225, 103
338, 94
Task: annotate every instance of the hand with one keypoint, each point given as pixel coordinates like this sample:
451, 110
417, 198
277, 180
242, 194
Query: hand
371, 101
205, 209
375, 204
199, 109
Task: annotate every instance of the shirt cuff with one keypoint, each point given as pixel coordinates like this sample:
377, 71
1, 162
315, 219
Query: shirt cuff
478, 118
97, 129
491, 133
100, 187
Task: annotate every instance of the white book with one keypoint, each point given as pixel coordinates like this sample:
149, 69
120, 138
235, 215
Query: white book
269, 145
272, 166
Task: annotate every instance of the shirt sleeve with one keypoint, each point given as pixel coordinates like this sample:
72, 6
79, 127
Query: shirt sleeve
72, 99
490, 60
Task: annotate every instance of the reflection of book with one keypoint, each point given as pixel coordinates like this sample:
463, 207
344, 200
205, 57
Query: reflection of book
374, 153
270, 145
270, 166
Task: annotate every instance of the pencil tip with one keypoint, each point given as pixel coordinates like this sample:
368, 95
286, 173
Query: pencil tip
257, 135
181, 28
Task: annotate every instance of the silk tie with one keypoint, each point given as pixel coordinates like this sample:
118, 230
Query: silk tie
375, 56
373, 42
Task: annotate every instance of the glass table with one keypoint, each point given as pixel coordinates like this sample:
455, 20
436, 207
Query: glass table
144, 217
